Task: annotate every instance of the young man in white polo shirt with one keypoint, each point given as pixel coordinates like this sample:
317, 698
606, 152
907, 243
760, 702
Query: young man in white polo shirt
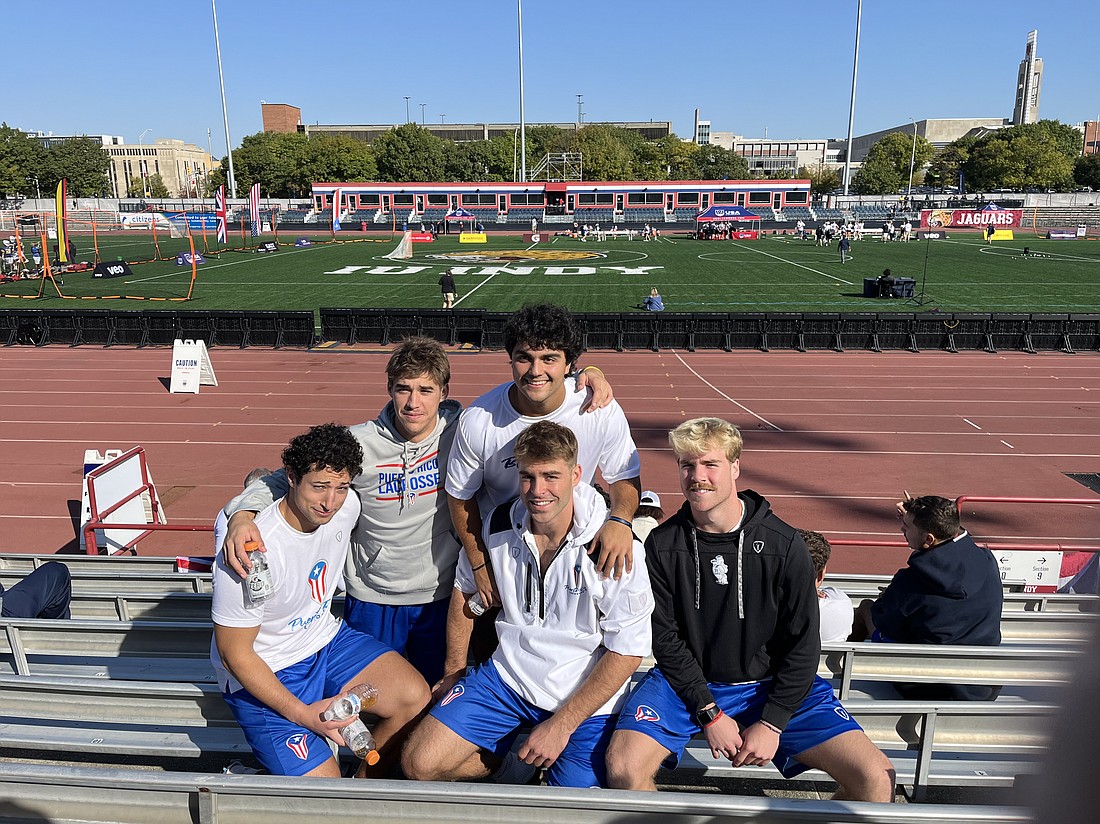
280, 663
569, 638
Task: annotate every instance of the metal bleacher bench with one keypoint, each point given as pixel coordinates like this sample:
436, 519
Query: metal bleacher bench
944, 743
85, 794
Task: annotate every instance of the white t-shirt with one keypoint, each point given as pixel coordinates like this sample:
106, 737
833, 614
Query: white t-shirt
482, 461
837, 615
221, 527
307, 569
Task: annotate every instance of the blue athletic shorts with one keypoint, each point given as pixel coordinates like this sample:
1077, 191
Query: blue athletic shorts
654, 709
417, 631
487, 712
283, 747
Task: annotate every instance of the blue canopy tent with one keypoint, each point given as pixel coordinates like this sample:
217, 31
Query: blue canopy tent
722, 214
462, 216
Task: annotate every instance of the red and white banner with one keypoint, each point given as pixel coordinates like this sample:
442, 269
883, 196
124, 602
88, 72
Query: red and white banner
421, 237
220, 213
970, 218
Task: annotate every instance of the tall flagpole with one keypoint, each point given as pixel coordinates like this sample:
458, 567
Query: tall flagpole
852, 106
522, 125
225, 112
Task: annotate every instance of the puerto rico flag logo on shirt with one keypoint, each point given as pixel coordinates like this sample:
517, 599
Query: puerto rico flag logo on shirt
298, 745
317, 581
644, 713
455, 692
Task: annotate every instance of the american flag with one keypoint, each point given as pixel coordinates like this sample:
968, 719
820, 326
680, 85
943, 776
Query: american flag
317, 581
336, 209
254, 209
220, 215
299, 745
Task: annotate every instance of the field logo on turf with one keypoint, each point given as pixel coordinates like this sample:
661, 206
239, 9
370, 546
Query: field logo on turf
515, 255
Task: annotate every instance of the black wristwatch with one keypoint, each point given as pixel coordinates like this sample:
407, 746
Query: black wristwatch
704, 717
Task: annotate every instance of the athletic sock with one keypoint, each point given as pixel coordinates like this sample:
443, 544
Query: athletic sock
512, 771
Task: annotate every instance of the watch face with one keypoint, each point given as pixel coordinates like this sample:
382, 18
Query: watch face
704, 717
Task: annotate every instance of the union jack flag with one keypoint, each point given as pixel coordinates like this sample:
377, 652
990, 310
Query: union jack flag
254, 209
220, 214
317, 581
299, 745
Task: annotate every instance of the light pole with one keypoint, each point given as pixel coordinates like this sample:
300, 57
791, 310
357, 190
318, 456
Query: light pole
422, 106
852, 105
912, 160
580, 113
141, 165
37, 187
522, 125
406, 108
441, 119
225, 111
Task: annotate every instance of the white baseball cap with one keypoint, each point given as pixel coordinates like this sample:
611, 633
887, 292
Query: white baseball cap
650, 499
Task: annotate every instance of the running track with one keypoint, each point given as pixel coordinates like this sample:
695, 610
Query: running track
831, 439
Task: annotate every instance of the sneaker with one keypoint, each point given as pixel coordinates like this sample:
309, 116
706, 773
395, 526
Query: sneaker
236, 767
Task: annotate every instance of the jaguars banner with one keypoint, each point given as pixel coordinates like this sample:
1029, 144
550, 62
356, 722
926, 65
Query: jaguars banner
970, 218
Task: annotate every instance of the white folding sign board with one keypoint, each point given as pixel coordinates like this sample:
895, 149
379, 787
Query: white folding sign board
191, 367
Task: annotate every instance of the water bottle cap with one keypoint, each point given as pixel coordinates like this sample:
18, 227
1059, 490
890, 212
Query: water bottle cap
251, 545
372, 757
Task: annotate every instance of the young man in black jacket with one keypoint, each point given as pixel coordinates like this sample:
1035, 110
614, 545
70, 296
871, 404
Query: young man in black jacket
735, 636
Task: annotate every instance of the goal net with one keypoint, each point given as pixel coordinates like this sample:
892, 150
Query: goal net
404, 249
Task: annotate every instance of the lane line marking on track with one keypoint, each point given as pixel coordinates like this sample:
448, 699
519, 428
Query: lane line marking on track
723, 394
1006, 443
792, 263
973, 424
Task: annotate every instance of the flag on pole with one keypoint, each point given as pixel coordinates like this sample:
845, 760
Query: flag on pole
61, 212
220, 214
254, 209
336, 209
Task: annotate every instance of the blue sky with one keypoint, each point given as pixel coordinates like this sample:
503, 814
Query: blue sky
783, 69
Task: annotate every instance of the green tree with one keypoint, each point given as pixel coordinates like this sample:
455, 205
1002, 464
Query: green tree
716, 163
949, 161
21, 160
1086, 171
334, 157
885, 170
409, 153
1034, 154
83, 162
822, 178
605, 154
152, 186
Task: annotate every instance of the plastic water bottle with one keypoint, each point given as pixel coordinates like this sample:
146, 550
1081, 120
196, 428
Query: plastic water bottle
258, 585
476, 605
357, 699
360, 741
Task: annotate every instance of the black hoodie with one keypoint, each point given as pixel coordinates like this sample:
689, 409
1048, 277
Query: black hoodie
735, 607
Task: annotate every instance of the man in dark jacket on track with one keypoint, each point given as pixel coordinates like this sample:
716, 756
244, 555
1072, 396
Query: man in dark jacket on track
950, 593
735, 636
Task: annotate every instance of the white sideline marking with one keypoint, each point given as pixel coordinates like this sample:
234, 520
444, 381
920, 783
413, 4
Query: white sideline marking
792, 263
724, 395
973, 424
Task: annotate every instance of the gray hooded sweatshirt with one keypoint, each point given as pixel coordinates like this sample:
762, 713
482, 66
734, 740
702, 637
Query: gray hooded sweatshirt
403, 550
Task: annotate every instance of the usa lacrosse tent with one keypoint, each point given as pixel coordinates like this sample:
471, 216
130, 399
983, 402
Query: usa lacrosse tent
729, 214
465, 219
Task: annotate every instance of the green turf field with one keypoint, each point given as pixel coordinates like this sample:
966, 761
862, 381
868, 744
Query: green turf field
959, 274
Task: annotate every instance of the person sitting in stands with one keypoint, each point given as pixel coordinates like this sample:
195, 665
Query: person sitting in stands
647, 516
654, 303
837, 610
43, 593
886, 284
950, 593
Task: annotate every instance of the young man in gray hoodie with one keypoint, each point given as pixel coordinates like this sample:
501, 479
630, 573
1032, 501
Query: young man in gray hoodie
401, 566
